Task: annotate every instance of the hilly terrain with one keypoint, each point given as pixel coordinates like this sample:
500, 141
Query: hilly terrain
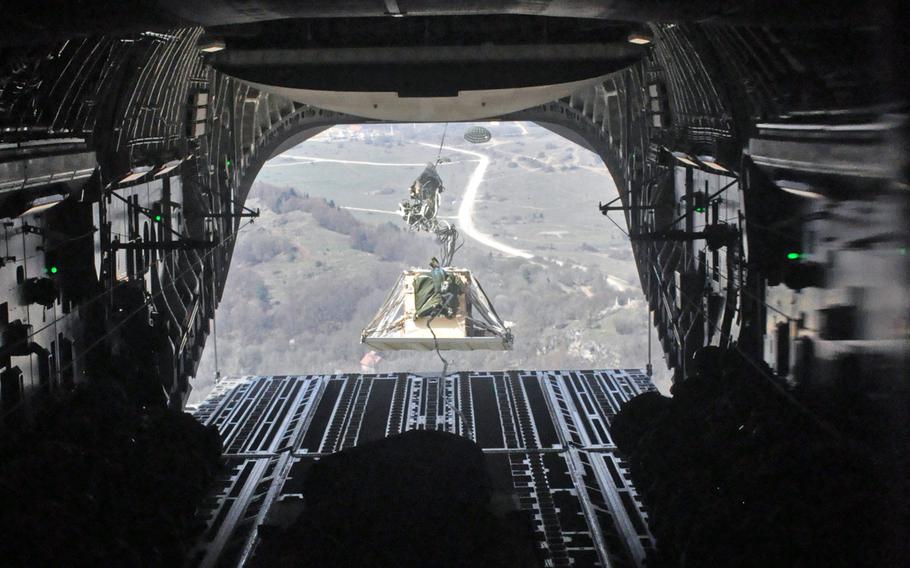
312, 270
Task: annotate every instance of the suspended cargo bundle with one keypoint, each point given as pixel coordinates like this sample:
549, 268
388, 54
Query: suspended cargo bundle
443, 309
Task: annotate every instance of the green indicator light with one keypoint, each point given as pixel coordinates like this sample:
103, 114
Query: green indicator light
53, 270
792, 255
227, 162
699, 209
157, 217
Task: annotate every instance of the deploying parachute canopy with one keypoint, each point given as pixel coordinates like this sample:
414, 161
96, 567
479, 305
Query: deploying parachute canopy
440, 308
477, 135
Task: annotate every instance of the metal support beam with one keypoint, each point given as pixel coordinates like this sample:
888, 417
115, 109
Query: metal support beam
721, 190
246, 213
604, 209
716, 235
184, 244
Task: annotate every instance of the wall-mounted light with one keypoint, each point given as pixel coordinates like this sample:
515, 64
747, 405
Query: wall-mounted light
710, 162
699, 202
686, 159
167, 168
799, 189
211, 45
136, 172
639, 38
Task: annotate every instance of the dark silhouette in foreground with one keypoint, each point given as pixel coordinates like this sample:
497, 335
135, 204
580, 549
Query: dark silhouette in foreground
734, 476
421, 498
98, 481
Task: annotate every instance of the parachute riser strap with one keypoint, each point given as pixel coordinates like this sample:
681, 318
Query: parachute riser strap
442, 143
445, 363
